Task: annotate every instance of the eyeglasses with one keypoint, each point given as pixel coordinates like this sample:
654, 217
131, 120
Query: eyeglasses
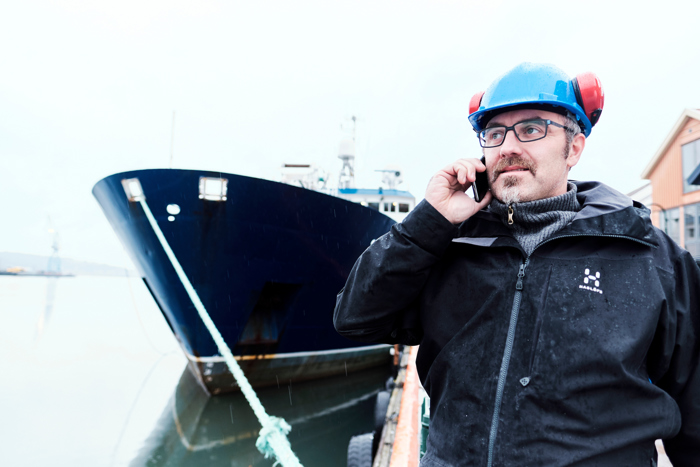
526, 131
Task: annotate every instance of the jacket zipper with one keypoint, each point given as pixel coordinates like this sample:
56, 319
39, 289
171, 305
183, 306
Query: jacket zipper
506, 358
511, 335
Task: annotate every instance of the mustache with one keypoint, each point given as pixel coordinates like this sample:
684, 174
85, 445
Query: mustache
510, 161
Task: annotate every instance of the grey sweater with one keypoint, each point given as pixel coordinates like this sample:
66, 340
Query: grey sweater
535, 221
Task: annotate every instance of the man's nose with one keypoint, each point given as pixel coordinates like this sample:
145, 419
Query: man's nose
511, 145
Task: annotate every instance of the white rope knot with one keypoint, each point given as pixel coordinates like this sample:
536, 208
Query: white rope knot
272, 432
273, 442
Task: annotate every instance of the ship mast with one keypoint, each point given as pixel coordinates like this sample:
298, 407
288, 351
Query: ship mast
54, 263
347, 155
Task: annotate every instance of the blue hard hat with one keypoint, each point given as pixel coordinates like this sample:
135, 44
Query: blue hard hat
531, 85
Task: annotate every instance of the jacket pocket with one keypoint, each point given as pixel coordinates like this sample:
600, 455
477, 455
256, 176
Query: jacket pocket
458, 332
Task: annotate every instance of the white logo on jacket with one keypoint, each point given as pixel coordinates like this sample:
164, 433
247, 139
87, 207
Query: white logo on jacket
591, 281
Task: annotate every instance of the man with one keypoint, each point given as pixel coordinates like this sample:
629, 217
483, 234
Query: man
556, 325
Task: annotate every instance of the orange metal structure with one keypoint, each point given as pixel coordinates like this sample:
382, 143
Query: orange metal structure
405, 449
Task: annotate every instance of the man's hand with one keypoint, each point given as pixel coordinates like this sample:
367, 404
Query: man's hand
446, 190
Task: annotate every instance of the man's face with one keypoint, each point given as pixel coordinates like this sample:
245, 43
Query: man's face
520, 172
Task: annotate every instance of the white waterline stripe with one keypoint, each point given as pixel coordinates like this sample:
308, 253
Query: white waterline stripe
349, 350
330, 410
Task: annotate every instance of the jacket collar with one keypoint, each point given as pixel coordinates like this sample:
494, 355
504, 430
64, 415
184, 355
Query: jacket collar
604, 211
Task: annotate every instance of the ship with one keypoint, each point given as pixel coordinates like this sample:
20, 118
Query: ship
266, 259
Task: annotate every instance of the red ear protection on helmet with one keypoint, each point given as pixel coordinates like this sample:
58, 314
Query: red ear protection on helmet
589, 95
475, 102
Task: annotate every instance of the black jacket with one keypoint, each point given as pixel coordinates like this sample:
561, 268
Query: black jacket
583, 353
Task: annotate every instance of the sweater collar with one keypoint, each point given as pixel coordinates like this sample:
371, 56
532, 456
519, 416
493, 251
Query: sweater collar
538, 213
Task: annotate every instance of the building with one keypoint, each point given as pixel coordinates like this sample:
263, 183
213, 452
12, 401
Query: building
675, 202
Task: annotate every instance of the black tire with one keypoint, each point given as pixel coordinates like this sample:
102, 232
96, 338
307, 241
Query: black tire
380, 407
360, 450
390, 384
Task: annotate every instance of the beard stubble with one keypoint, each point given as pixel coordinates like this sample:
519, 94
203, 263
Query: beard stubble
511, 191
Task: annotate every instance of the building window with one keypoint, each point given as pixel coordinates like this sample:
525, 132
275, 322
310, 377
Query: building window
374, 206
670, 222
403, 207
691, 159
692, 229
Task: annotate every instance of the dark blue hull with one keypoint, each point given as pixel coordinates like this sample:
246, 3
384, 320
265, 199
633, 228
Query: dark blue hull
266, 263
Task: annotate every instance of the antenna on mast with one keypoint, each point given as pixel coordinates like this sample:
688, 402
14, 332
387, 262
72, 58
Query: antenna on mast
354, 127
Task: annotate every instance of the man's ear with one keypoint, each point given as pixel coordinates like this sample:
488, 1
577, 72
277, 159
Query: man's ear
576, 149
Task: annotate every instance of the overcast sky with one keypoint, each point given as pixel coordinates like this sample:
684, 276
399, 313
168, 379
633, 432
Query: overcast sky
88, 89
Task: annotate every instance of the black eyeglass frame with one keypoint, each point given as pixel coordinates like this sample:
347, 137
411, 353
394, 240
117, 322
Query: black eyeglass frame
509, 128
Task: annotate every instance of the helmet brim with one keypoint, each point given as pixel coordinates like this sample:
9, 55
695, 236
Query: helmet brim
480, 118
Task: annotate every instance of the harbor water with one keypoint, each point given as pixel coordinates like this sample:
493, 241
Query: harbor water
93, 376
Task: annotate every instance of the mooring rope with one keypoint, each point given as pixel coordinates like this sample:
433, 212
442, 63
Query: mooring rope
272, 440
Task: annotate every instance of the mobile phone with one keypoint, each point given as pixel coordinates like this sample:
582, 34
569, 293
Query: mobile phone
481, 184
